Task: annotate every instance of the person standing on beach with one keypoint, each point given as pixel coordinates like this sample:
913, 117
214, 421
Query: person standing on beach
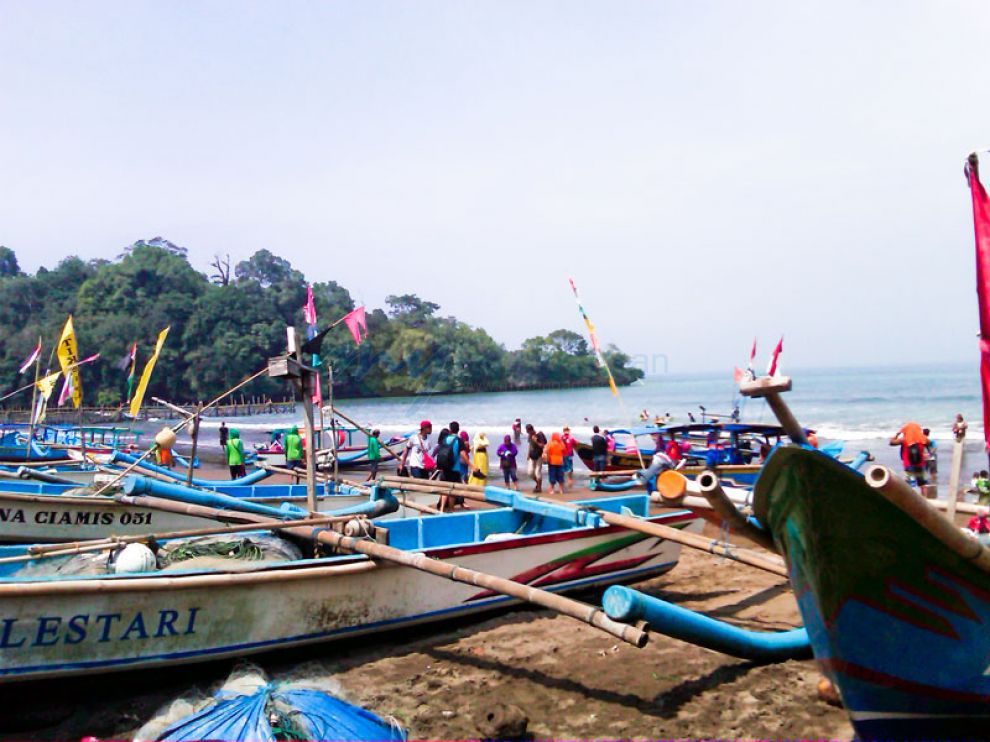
568, 441
959, 428
913, 444
599, 450
554, 455
293, 448
534, 457
414, 456
507, 462
234, 451
374, 453
223, 435
479, 461
517, 431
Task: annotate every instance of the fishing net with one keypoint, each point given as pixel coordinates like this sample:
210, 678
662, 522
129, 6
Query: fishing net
248, 707
221, 552
255, 548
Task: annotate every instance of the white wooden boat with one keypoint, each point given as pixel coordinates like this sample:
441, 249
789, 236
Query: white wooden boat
84, 625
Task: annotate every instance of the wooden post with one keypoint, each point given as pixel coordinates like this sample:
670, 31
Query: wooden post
194, 432
770, 388
953, 493
304, 383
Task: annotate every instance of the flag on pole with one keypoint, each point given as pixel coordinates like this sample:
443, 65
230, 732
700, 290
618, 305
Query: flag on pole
772, 366
45, 385
125, 362
67, 387
31, 358
146, 374
309, 314
981, 229
68, 359
357, 323
752, 356
593, 338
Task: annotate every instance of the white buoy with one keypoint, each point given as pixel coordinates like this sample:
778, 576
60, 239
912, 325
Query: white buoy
135, 558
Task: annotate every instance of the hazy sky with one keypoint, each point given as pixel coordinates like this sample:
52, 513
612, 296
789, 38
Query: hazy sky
706, 171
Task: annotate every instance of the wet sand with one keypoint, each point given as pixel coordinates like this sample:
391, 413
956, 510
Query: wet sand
443, 681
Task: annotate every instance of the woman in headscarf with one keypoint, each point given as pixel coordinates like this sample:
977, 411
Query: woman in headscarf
479, 461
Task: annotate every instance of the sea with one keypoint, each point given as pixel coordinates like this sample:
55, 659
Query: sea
854, 404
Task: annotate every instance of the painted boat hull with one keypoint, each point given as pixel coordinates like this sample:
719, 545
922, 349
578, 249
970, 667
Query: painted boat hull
732, 475
82, 626
898, 622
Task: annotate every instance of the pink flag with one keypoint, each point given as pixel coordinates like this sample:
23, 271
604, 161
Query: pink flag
357, 324
309, 310
772, 368
66, 394
737, 375
30, 359
981, 227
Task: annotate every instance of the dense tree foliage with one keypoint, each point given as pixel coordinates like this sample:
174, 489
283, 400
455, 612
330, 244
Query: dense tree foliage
223, 330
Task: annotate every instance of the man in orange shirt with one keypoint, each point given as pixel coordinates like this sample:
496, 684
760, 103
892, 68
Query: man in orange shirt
554, 455
913, 443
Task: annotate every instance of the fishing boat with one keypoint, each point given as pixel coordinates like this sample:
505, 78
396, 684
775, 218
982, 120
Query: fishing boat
52, 626
898, 618
15, 446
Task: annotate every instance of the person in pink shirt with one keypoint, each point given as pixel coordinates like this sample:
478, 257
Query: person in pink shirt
568, 442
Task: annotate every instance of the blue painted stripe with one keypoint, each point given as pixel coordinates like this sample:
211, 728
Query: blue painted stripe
308, 638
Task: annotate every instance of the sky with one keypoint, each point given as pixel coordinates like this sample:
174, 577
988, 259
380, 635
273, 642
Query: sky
707, 172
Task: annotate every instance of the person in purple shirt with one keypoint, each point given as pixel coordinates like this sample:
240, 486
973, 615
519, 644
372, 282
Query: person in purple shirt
507, 453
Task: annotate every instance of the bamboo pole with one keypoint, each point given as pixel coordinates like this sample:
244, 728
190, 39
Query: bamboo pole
591, 615
195, 445
632, 523
771, 387
711, 490
953, 494
900, 494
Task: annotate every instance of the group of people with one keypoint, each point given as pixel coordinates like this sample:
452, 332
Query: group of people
455, 457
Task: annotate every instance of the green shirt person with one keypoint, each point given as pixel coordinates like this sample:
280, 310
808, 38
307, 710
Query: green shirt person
293, 448
374, 453
235, 454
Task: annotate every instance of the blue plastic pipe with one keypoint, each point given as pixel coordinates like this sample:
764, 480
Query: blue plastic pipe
253, 478
628, 605
137, 485
861, 458
380, 503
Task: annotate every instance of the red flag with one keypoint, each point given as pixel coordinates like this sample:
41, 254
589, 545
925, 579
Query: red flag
357, 324
981, 228
772, 368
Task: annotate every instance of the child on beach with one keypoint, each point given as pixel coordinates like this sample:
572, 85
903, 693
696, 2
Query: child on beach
374, 453
554, 455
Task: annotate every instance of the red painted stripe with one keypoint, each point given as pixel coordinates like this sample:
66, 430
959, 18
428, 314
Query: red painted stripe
908, 686
486, 547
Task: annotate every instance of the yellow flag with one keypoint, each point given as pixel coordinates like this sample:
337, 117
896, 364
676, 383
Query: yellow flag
46, 386
68, 357
146, 374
